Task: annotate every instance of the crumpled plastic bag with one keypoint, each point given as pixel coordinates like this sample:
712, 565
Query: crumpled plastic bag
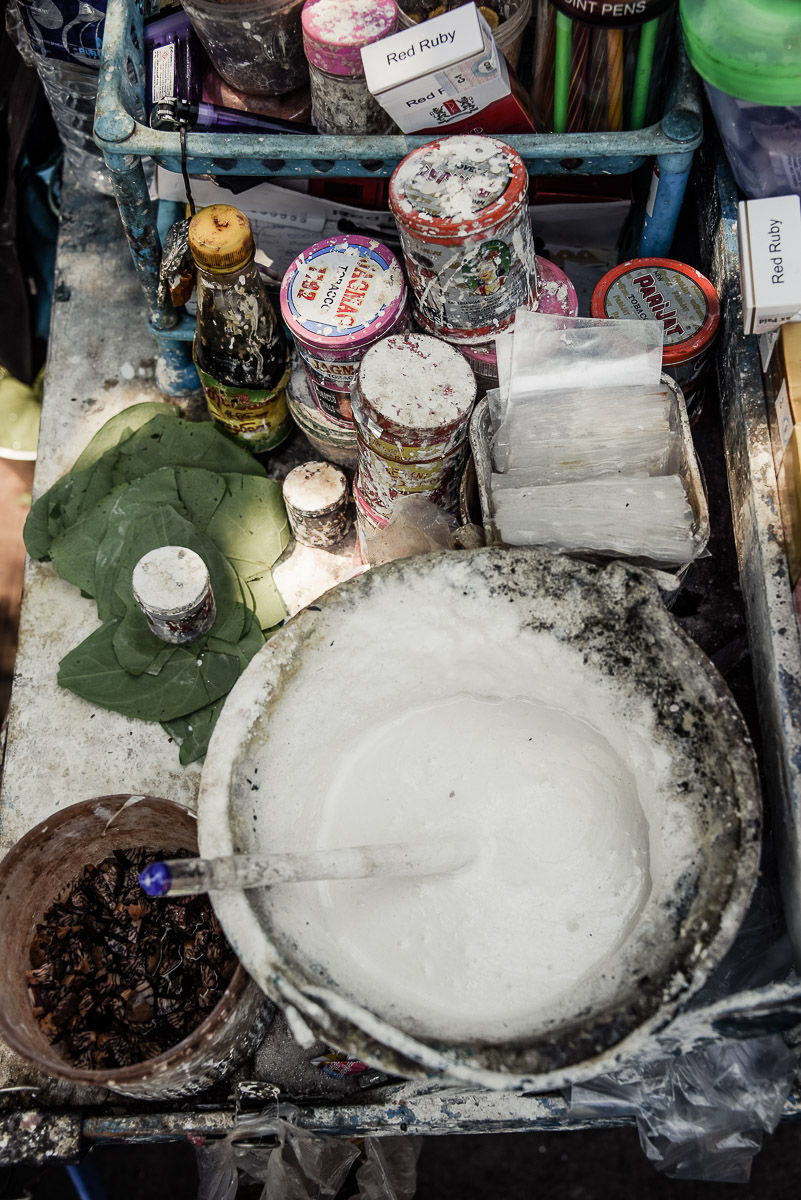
301, 1165
416, 526
700, 1115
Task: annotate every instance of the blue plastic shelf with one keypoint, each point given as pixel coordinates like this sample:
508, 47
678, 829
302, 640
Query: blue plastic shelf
125, 140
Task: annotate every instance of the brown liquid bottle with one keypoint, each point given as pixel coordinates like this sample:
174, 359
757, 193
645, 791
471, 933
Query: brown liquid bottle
240, 348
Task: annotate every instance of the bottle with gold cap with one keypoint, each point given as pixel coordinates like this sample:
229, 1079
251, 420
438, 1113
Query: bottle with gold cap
240, 349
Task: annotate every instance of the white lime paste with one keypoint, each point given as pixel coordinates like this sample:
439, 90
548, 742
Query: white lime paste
582, 837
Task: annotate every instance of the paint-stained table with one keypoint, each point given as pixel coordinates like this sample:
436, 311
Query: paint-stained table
60, 749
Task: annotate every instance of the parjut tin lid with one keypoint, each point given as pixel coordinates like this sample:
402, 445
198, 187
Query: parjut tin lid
665, 290
457, 186
342, 293
750, 49
220, 238
334, 31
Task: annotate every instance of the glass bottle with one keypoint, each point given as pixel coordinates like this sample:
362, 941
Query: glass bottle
240, 349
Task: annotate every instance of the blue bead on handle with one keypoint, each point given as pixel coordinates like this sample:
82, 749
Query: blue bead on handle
156, 880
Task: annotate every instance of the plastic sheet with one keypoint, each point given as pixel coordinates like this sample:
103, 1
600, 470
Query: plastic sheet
416, 526
701, 1115
299, 1165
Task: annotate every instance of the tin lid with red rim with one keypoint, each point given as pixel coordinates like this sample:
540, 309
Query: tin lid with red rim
415, 388
665, 290
456, 187
334, 31
343, 293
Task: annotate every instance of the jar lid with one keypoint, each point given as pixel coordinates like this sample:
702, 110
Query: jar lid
220, 238
315, 487
343, 293
456, 187
414, 382
334, 31
750, 49
170, 580
614, 15
662, 289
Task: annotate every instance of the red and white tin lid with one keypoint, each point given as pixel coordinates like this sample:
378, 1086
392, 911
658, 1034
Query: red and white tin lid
457, 187
666, 290
343, 293
334, 31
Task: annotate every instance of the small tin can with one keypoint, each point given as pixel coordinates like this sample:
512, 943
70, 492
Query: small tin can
461, 206
337, 299
368, 523
334, 32
412, 400
681, 298
557, 297
316, 496
335, 441
172, 587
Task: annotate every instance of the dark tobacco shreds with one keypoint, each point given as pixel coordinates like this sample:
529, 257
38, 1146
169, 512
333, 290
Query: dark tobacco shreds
117, 978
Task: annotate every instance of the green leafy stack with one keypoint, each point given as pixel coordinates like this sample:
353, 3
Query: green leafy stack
150, 479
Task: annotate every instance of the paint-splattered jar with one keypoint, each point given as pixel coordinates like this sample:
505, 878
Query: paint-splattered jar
172, 587
339, 298
557, 297
330, 439
334, 32
412, 401
256, 45
683, 300
461, 206
317, 500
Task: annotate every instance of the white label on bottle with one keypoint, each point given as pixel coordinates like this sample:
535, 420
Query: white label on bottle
163, 72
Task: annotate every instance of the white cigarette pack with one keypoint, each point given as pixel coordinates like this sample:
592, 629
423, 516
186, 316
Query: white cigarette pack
437, 73
769, 233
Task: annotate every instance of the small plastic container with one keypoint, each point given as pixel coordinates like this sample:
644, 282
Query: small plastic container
32, 876
172, 587
317, 499
334, 32
461, 207
257, 47
748, 52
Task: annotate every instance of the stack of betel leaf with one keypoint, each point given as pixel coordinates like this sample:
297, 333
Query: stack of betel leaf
148, 479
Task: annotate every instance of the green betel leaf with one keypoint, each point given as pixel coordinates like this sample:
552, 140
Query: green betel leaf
170, 443
136, 647
270, 608
250, 524
193, 733
118, 429
188, 681
74, 551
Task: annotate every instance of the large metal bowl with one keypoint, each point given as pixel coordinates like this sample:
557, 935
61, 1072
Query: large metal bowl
611, 634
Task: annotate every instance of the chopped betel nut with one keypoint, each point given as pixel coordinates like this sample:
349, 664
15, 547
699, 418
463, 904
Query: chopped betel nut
116, 977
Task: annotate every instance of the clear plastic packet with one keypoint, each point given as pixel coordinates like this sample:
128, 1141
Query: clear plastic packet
558, 353
295, 1164
416, 526
700, 1115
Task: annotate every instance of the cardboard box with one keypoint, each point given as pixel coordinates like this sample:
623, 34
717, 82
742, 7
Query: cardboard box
769, 234
789, 480
446, 75
783, 388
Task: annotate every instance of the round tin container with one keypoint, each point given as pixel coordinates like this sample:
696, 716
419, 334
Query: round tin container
412, 401
368, 523
413, 397
333, 440
172, 587
316, 497
461, 206
682, 299
558, 296
333, 33
337, 299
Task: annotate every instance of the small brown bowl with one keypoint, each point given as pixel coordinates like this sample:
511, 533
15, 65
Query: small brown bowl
35, 873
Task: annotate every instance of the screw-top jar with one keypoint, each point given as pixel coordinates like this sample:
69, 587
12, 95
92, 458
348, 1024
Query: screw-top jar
331, 439
461, 206
412, 401
338, 298
317, 499
240, 349
256, 45
334, 32
172, 587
